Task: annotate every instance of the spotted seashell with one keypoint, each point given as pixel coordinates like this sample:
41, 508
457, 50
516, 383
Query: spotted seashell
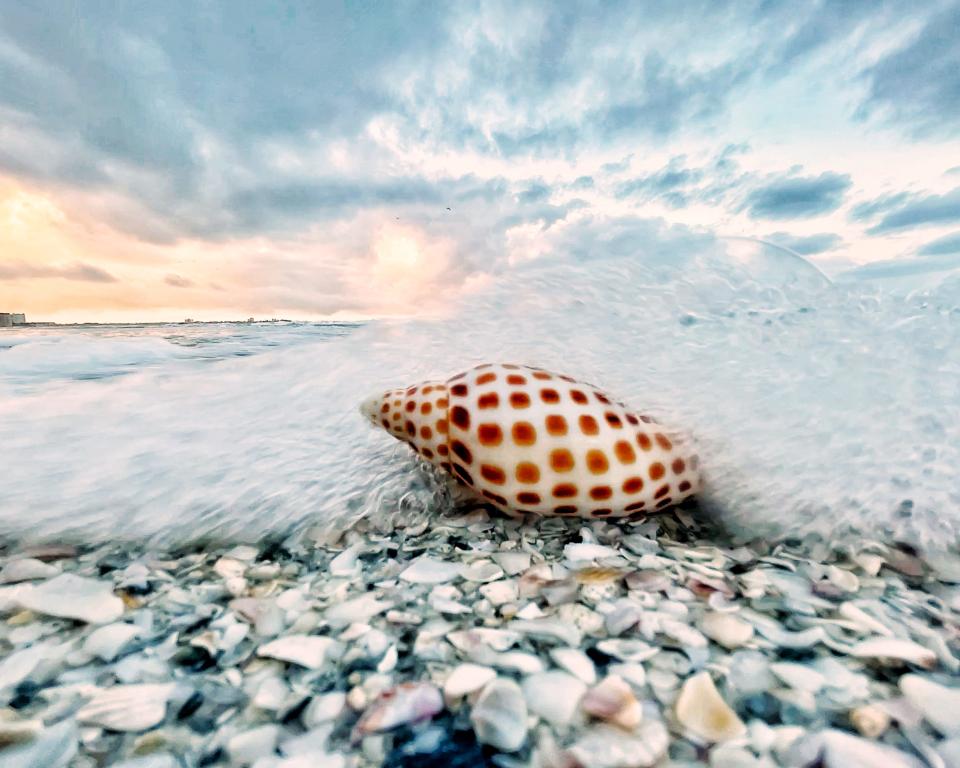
531, 441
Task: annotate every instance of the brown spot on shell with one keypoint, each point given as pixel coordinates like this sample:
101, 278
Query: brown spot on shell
461, 452
601, 512
601, 492
489, 400
657, 470
410, 406
427, 390
578, 396
426, 408
624, 451
425, 432
385, 408
597, 462
442, 449
613, 420
519, 399
633, 485
442, 426
528, 497
636, 505
459, 390
460, 417
678, 466
588, 425
663, 441
662, 491
564, 490
411, 429
524, 433
427, 452
566, 509
549, 395
457, 377
527, 472
664, 503
643, 440
556, 425
632, 419
561, 460
516, 380
442, 403
462, 473
493, 473
486, 378
385, 424
602, 398
684, 486
496, 497
490, 434
542, 375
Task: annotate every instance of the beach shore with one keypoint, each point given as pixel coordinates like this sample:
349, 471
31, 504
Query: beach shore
474, 640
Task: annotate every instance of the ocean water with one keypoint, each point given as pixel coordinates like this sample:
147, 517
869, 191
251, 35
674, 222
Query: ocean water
819, 408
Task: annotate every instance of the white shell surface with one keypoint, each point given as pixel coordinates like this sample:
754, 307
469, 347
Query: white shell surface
531, 441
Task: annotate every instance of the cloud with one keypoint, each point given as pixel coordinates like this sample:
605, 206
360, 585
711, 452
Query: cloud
869, 209
78, 271
918, 84
919, 211
806, 245
177, 281
942, 245
798, 197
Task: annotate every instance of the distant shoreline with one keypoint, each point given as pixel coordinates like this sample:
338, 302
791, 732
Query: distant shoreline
275, 321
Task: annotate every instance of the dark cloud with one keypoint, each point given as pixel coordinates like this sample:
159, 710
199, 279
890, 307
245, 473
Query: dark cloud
919, 84
798, 197
919, 211
942, 245
806, 245
79, 271
178, 281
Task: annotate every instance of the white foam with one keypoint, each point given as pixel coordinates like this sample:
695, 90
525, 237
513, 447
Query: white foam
817, 407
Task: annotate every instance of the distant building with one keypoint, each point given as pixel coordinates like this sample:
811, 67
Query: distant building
8, 319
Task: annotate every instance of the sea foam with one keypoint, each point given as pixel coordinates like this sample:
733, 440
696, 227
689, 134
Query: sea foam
818, 408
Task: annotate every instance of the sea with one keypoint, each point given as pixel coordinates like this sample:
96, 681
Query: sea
821, 408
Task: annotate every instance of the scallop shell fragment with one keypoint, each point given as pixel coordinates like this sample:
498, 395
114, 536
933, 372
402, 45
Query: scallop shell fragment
704, 713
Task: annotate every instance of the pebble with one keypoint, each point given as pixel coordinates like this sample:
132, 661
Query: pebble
893, 649
253, 745
726, 629
74, 597
127, 707
939, 705
465, 679
26, 569
499, 716
426, 570
604, 746
310, 651
576, 662
613, 700
553, 696
407, 703
108, 641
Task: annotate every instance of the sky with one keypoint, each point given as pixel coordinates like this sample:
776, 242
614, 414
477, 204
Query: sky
220, 160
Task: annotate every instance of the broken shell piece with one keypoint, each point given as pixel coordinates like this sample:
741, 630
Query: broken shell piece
613, 700
891, 649
703, 712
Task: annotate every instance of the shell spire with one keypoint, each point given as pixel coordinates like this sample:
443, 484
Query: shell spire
531, 441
